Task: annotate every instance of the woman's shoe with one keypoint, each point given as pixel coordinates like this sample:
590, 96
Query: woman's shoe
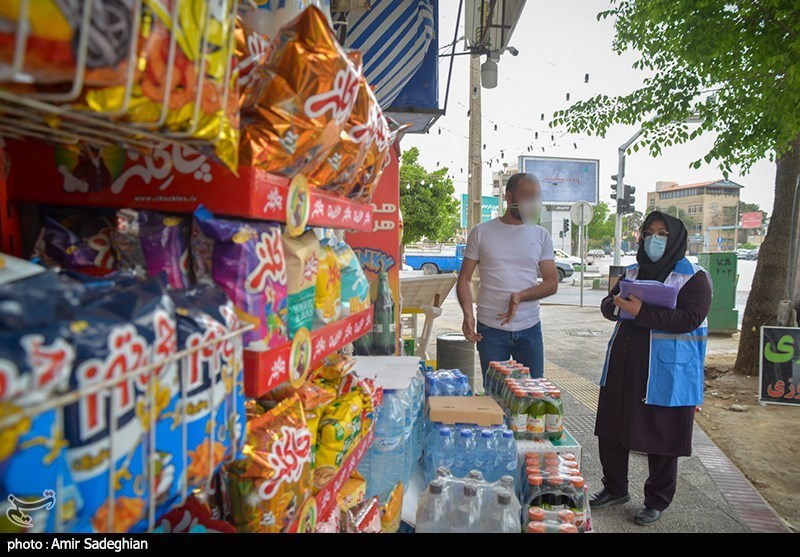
604, 498
647, 516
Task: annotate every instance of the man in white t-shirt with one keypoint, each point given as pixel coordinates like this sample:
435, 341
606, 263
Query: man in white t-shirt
513, 252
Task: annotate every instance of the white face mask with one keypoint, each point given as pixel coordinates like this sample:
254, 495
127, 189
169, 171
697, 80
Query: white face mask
529, 210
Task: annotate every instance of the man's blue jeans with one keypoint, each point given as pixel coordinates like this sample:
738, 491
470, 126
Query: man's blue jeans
525, 347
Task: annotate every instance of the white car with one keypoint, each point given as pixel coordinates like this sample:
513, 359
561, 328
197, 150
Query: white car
561, 255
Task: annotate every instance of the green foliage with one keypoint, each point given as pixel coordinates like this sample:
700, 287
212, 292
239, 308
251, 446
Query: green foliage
682, 215
426, 198
748, 245
745, 52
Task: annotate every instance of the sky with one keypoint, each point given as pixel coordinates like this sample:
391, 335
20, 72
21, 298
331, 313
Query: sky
559, 42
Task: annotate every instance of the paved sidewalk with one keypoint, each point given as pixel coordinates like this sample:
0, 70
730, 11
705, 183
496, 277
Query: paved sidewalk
712, 494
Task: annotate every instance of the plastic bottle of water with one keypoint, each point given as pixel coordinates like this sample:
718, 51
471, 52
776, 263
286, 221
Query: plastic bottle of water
408, 421
507, 458
503, 520
509, 484
464, 388
385, 464
465, 518
465, 451
420, 415
432, 515
486, 454
444, 453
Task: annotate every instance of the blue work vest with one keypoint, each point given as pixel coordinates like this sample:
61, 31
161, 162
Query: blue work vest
675, 376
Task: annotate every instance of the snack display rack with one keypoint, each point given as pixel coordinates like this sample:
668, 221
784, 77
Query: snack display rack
165, 170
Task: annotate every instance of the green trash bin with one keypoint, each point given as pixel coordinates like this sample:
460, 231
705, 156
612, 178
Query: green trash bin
722, 266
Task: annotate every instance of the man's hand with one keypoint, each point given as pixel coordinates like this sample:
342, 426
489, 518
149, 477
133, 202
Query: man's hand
632, 305
468, 328
513, 304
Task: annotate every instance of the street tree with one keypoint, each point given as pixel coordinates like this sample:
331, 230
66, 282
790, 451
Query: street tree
736, 65
426, 199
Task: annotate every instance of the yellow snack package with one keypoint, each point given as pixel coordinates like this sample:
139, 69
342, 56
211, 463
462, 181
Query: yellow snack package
328, 298
391, 512
334, 367
339, 431
353, 492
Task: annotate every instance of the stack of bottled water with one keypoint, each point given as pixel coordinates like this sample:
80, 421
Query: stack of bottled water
469, 505
398, 440
447, 382
492, 451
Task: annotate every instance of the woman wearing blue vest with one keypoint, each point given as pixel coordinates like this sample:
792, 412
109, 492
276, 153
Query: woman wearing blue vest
653, 374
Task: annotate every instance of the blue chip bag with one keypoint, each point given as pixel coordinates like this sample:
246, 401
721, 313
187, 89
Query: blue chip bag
355, 286
110, 432
213, 381
37, 493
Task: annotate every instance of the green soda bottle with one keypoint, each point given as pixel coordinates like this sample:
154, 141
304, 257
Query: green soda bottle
384, 341
518, 421
536, 415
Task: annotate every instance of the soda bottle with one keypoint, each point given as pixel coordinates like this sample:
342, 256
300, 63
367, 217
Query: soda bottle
432, 510
486, 454
579, 503
534, 493
465, 451
554, 498
500, 384
465, 517
518, 421
508, 395
507, 459
551, 528
536, 415
502, 520
384, 339
488, 380
554, 428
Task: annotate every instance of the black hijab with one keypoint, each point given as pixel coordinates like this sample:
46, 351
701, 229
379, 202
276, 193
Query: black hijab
676, 248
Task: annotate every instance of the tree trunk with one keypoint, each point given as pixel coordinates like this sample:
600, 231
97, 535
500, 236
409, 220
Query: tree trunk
769, 282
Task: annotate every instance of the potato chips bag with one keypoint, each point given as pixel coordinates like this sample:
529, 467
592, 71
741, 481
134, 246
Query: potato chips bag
328, 297
304, 96
269, 484
79, 242
340, 430
247, 260
355, 286
302, 258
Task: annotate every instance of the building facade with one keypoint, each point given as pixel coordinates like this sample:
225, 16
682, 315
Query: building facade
705, 207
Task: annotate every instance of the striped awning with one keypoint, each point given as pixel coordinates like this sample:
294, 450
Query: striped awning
393, 36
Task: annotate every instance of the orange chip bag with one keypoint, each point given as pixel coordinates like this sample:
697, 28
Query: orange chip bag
269, 485
378, 145
339, 169
252, 50
304, 96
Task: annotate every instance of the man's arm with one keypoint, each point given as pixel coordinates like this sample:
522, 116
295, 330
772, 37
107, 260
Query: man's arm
548, 287
464, 292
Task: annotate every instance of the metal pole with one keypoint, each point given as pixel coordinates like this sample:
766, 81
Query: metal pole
475, 193
736, 230
583, 259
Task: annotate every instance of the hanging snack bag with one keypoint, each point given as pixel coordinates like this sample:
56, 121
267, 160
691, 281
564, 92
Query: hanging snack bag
151, 242
339, 432
108, 430
80, 242
212, 380
35, 364
338, 170
247, 261
54, 30
355, 286
304, 96
328, 299
392, 511
302, 257
199, 83
269, 485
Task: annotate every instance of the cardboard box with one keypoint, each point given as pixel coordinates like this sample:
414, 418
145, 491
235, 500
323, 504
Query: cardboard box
478, 410
567, 444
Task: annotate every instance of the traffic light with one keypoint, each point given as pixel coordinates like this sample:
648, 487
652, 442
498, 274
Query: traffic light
566, 226
629, 197
613, 186
626, 203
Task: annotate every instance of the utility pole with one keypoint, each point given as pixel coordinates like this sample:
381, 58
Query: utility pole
474, 178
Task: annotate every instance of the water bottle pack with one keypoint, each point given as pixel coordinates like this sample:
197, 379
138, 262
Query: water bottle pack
398, 440
462, 448
543, 521
469, 505
447, 382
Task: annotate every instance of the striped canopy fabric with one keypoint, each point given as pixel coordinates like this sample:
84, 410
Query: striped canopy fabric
393, 36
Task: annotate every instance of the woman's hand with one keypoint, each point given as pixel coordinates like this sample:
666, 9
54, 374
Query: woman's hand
632, 305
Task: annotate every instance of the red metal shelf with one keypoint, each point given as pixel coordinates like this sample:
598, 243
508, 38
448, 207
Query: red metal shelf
268, 369
172, 179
